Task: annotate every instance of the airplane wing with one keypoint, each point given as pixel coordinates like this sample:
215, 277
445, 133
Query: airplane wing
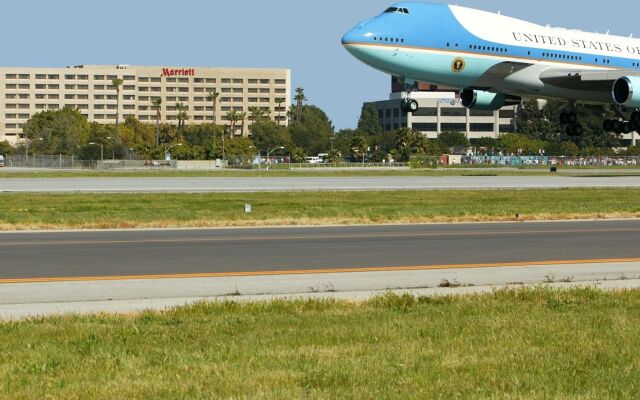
589, 80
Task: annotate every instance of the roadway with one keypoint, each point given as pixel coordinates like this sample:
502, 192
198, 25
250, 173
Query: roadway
307, 183
93, 271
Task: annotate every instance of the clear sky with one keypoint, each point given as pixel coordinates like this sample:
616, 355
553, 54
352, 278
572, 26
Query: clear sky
302, 35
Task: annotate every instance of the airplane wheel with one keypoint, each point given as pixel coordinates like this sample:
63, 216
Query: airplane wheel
564, 119
616, 126
635, 118
577, 130
626, 127
413, 106
568, 130
404, 106
635, 125
607, 125
572, 118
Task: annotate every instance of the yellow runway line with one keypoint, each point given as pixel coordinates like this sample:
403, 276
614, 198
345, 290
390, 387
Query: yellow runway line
319, 271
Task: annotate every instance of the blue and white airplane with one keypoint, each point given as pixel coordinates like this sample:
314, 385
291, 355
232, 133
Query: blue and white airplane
497, 60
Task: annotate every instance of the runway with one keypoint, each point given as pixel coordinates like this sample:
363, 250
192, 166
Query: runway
229, 252
302, 183
43, 273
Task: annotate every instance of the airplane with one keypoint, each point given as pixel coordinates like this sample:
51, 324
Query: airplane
497, 60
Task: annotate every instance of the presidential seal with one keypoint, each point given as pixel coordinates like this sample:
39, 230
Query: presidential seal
458, 65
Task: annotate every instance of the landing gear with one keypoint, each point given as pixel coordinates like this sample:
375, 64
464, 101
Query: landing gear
570, 119
622, 125
409, 105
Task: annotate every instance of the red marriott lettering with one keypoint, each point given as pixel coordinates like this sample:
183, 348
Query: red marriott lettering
178, 72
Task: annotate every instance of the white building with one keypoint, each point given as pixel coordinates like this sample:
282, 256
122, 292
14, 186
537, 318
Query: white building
442, 111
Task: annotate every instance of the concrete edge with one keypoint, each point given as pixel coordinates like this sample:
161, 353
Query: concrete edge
16, 312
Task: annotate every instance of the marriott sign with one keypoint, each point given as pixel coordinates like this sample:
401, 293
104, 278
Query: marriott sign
178, 72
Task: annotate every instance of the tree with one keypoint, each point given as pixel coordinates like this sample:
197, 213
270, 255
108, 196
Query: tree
157, 105
266, 134
520, 144
300, 99
213, 98
182, 117
410, 142
453, 140
242, 117
117, 83
369, 122
58, 132
537, 123
313, 132
232, 117
334, 156
6, 148
359, 148
279, 102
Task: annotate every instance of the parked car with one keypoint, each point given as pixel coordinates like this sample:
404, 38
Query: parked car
312, 160
1, 160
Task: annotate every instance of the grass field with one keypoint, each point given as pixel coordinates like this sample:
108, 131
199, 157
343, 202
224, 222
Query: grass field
530, 343
98, 211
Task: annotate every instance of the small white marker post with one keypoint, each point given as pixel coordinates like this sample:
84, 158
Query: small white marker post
247, 208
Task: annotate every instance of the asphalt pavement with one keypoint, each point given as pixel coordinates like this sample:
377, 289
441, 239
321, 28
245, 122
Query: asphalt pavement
315, 249
44, 273
307, 183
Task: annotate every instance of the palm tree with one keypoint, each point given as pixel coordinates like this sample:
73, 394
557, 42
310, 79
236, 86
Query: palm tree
182, 116
300, 99
279, 102
117, 83
213, 98
157, 105
241, 117
232, 116
256, 113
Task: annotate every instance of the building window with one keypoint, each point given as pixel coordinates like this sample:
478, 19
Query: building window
426, 112
453, 127
425, 127
480, 113
507, 114
481, 127
453, 112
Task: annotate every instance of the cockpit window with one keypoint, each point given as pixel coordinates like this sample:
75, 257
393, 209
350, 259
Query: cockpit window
397, 10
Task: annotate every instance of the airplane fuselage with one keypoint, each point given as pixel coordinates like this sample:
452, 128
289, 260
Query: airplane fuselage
472, 49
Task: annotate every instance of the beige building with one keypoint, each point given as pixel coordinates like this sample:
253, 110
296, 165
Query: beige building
88, 88
442, 111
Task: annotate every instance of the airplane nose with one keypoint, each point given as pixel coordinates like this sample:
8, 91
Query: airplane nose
350, 36
355, 35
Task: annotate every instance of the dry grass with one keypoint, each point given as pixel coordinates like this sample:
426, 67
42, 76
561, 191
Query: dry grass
111, 211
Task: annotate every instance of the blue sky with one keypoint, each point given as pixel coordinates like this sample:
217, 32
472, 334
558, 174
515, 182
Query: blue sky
302, 35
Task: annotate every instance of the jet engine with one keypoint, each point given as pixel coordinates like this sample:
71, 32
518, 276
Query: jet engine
481, 100
626, 91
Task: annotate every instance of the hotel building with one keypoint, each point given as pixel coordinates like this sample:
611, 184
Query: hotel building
89, 89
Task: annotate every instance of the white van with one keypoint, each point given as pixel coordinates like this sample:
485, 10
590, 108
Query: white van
1, 160
312, 160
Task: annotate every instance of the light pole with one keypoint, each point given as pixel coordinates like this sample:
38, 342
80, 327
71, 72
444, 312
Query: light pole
27, 141
167, 149
101, 149
269, 154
